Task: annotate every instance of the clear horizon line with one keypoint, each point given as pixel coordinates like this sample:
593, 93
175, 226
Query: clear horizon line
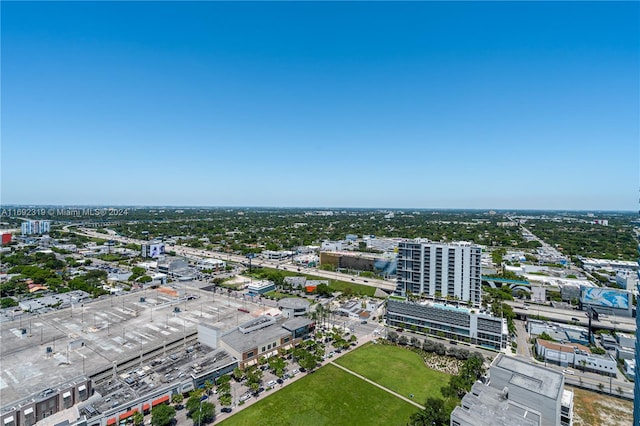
201, 206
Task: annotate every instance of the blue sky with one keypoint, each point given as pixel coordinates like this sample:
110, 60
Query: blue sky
425, 105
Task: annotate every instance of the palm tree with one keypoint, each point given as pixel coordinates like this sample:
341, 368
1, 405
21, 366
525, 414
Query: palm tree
208, 385
177, 398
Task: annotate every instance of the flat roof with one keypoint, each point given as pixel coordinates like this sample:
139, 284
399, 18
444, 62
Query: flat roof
296, 323
487, 406
260, 285
534, 378
293, 303
562, 347
94, 334
242, 342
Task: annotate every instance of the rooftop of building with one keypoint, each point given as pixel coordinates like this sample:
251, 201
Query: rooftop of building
296, 323
162, 371
448, 306
437, 243
242, 342
486, 406
295, 280
534, 378
360, 254
293, 303
560, 347
625, 335
257, 285
93, 335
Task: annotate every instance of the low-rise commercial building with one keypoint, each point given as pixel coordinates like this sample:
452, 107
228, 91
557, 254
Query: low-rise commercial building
577, 356
261, 287
561, 333
276, 255
626, 340
453, 322
211, 264
263, 336
292, 307
630, 369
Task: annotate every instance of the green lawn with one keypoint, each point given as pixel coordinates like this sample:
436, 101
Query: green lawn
395, 368
365, 290
277, 295
329, 396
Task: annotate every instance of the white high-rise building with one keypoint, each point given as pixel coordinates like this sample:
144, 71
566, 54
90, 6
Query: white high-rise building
31, 227
445, 269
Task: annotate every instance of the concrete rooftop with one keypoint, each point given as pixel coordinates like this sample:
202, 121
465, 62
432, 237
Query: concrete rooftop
88, 338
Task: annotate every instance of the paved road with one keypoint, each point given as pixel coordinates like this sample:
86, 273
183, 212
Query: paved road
410, 401
524, 348
188, 251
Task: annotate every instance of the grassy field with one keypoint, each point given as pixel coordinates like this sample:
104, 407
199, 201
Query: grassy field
277, 295
397, 369
329, 396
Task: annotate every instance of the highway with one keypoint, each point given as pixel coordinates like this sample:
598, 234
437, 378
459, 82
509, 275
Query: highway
193, 252
624, 324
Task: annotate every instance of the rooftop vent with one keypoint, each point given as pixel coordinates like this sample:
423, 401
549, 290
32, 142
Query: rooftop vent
505, 392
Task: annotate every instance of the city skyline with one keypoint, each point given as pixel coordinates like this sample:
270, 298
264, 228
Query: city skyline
377, 105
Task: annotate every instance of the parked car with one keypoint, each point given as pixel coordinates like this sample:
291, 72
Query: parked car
271, 383
226, 409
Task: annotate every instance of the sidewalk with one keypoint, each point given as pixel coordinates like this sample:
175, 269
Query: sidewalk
410, 401
361, 341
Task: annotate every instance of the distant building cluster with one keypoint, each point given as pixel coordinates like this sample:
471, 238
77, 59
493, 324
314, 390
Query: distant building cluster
35, 227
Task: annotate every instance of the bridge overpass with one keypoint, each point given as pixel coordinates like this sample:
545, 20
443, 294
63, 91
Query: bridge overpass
572, 316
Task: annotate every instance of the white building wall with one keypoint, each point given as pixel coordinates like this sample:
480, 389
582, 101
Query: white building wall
599, 364
463, 270
549, 408
626, 340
